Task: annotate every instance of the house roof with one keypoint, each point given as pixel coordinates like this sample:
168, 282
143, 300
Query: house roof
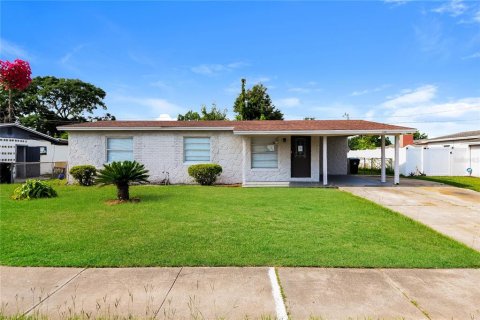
249, 127
37, 134
464, 135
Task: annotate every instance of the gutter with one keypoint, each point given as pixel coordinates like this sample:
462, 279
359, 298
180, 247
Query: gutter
325, 132
145, 128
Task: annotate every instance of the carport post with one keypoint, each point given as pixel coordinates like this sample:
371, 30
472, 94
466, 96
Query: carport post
396, 174
383, 169
324, 161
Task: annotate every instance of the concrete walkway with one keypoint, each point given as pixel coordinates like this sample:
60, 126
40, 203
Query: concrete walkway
240, 293
452, 211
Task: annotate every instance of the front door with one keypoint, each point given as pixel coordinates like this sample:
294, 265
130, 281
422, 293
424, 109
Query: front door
301, 153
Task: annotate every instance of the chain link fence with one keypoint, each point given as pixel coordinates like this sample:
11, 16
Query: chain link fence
373, 166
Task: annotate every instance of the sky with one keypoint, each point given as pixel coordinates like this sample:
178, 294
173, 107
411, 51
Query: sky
402, 62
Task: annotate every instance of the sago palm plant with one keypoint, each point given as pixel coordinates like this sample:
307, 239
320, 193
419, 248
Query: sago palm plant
121, 174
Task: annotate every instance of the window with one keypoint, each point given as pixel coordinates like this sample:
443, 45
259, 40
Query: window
119, 149
196, 149
264, 153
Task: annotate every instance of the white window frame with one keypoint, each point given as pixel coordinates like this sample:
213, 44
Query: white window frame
197, 161
252, 153
118, 137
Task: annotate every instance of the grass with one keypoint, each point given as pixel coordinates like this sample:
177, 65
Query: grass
472, 183
217, 226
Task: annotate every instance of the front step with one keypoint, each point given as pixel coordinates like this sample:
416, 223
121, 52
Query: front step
266, 184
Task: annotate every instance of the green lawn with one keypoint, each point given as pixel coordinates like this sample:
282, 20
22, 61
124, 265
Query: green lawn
217, 226
472, 183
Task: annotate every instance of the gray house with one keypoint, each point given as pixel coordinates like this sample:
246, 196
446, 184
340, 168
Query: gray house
250, 152
26, 153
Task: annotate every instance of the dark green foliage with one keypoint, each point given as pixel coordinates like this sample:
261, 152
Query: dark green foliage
366, 142
213, 114
50, 102
205, 174
33, 189
84, 174
121, 174
420, 136
255, 104
189, 116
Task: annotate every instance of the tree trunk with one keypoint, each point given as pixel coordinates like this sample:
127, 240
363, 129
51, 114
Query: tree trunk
123, 192
9, 105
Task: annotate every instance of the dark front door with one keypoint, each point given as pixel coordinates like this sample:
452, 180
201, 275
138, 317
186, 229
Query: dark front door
301, 157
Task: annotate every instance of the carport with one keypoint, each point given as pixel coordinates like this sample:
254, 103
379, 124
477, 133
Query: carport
303, 152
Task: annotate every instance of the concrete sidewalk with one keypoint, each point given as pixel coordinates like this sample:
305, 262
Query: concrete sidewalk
452, 211
240, 293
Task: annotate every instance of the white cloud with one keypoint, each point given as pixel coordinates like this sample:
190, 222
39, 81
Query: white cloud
165, 117
258, 80
66, 58
142, 58
410, 97
300, 90
12, 50
310, 86
161, 85
396, 2
432, 39
420, 108
154, 105
476, 17
370, 115
367, 91
215, 69
453, 7
451, 109
287, 102
472, 56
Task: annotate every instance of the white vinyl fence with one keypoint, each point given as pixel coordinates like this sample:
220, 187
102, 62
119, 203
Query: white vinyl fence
433, 160
441, 161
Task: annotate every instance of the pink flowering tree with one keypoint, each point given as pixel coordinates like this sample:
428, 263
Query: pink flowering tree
14, 75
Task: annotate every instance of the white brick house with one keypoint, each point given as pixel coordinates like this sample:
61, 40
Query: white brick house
250, 152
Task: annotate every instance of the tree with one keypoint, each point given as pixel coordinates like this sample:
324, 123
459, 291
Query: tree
121, 174
420, 136
367, 142
50, 102
255, 104
213, 114
14, 76
189, 116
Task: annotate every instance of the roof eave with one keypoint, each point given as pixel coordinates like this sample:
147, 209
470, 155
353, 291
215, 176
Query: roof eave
69, 129
326, 132
450, 139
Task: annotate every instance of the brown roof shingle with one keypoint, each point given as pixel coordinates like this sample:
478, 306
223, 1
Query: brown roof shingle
252, 125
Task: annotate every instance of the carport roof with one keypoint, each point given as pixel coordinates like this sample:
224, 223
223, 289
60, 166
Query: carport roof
250, 127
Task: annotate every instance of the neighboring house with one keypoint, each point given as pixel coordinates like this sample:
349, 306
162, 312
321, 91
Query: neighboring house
26, 153
449, 155
250, 152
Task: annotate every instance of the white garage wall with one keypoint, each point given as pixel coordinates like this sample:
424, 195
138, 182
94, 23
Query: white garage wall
475, 160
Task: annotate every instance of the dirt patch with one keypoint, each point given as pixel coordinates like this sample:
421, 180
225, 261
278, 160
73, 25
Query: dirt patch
116, 201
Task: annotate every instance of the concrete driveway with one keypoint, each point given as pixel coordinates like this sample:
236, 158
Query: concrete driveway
452, 211
240, 293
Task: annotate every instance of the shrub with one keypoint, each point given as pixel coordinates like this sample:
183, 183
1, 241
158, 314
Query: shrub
84, 174
121, 174
205, 174
33, 189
